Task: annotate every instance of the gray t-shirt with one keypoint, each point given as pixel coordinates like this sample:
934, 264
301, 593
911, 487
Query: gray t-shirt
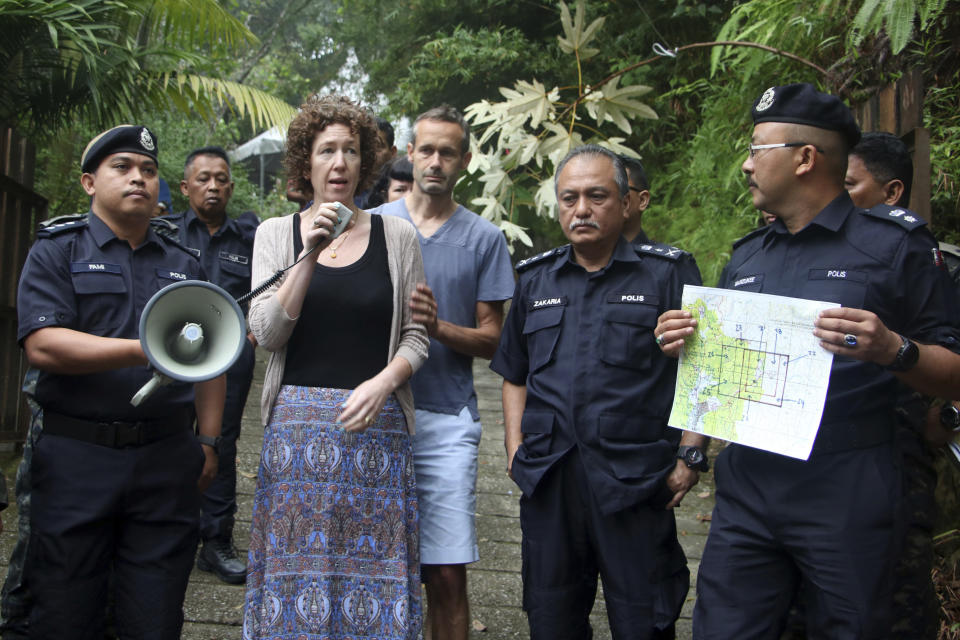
466, 260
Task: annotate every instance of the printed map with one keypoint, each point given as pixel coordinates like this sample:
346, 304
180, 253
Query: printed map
752, 372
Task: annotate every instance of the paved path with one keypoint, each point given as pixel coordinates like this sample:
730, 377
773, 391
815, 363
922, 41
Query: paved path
214, 610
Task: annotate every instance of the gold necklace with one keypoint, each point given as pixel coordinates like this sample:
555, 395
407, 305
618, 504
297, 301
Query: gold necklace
343, 238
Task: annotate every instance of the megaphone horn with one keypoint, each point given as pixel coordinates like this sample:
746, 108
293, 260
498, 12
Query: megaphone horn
190, 331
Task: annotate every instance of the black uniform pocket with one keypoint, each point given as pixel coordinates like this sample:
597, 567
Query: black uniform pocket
537, 427
626, 339
542, 332
234, 276
101, 299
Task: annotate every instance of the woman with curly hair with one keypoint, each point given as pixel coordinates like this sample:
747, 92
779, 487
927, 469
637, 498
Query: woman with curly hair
334, 539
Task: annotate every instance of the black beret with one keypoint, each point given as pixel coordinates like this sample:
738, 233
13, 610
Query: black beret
802, 104
126, 137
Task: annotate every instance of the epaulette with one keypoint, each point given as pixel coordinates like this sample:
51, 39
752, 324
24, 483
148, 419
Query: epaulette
247, 222
171, 233
661, 250
903, 217
60, 224
523, 264
756, 232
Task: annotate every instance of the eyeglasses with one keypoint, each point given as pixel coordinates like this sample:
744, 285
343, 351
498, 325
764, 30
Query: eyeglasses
777, 145
632, 188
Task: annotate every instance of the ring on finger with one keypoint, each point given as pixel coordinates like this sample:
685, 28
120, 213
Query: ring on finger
850, 340
658, 339
366, 420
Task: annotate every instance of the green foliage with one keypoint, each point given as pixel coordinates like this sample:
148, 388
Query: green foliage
896, 18
524, 137
104, 62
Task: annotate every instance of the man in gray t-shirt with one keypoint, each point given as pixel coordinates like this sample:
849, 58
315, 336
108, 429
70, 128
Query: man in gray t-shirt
468, 277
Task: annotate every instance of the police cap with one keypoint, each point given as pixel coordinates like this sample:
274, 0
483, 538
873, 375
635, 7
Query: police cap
126, 137
801, 103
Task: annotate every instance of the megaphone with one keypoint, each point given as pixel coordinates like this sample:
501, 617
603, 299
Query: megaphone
190, 331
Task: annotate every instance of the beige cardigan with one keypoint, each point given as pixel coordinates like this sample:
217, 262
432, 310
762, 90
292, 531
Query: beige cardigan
270, 324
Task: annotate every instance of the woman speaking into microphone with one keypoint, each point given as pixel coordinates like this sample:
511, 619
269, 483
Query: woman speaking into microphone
334, 540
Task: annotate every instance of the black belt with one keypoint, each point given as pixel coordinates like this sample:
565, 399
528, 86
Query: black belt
117, 435
856, 433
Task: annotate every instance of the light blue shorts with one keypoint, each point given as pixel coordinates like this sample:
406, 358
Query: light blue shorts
445, 461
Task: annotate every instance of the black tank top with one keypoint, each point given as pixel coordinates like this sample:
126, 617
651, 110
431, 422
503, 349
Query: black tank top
343, 335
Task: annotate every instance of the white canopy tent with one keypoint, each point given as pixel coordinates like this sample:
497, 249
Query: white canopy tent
268, 147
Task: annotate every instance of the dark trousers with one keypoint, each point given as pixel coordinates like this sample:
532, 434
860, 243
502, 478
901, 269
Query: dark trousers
219, 502
95, 510
827, 522
567, 542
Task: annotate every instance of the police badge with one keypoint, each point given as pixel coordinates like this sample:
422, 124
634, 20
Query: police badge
766, 100
146, 140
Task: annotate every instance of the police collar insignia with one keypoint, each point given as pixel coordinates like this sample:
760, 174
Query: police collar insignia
766, 100
146, 140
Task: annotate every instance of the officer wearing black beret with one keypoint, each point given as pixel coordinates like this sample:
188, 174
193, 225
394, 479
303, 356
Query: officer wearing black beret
830, 521
115, 487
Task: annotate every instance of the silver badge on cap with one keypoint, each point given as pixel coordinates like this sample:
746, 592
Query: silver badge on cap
766, 100
146, 140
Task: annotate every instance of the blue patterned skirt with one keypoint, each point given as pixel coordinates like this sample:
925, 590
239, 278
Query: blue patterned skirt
334, 541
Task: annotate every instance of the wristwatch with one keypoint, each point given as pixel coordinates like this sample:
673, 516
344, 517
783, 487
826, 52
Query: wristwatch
210, 441
907, 356
950, 418
693, 457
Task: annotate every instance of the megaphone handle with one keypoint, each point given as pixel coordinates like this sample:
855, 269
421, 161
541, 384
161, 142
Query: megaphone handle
146, 390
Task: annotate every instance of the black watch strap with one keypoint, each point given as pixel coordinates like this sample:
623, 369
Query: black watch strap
693, 457
210, 441
907, 356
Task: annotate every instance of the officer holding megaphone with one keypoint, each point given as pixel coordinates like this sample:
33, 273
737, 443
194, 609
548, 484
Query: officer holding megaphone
115, 485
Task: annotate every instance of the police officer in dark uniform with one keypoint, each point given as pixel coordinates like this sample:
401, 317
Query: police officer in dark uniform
828, 521
115, 487
586, 396
638, 199
224, 246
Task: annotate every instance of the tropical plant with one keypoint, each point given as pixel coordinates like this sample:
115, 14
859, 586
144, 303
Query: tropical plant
521, 139
106, 62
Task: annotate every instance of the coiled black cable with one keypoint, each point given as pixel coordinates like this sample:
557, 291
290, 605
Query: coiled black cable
266, 284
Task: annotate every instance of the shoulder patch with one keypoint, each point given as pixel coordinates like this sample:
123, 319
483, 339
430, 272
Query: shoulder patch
523, 264
60, 224
898, 215
661, 251
753, 234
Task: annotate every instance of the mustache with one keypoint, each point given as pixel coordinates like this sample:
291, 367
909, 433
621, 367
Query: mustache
583, 223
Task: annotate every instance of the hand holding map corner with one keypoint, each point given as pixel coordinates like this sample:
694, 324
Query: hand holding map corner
672, 327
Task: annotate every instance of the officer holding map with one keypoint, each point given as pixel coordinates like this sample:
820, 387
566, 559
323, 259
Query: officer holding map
829, 521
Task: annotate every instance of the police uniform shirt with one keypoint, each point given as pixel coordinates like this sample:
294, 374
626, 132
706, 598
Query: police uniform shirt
883, 260
80, 276
582, 343
226, 254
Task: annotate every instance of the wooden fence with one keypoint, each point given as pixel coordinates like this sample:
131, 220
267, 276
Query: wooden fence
20, 210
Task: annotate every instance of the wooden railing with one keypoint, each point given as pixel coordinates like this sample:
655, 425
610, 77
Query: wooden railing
20, 210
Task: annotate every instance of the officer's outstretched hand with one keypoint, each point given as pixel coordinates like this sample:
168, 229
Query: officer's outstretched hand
680, 481
209, 468
858, 334
672, 327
